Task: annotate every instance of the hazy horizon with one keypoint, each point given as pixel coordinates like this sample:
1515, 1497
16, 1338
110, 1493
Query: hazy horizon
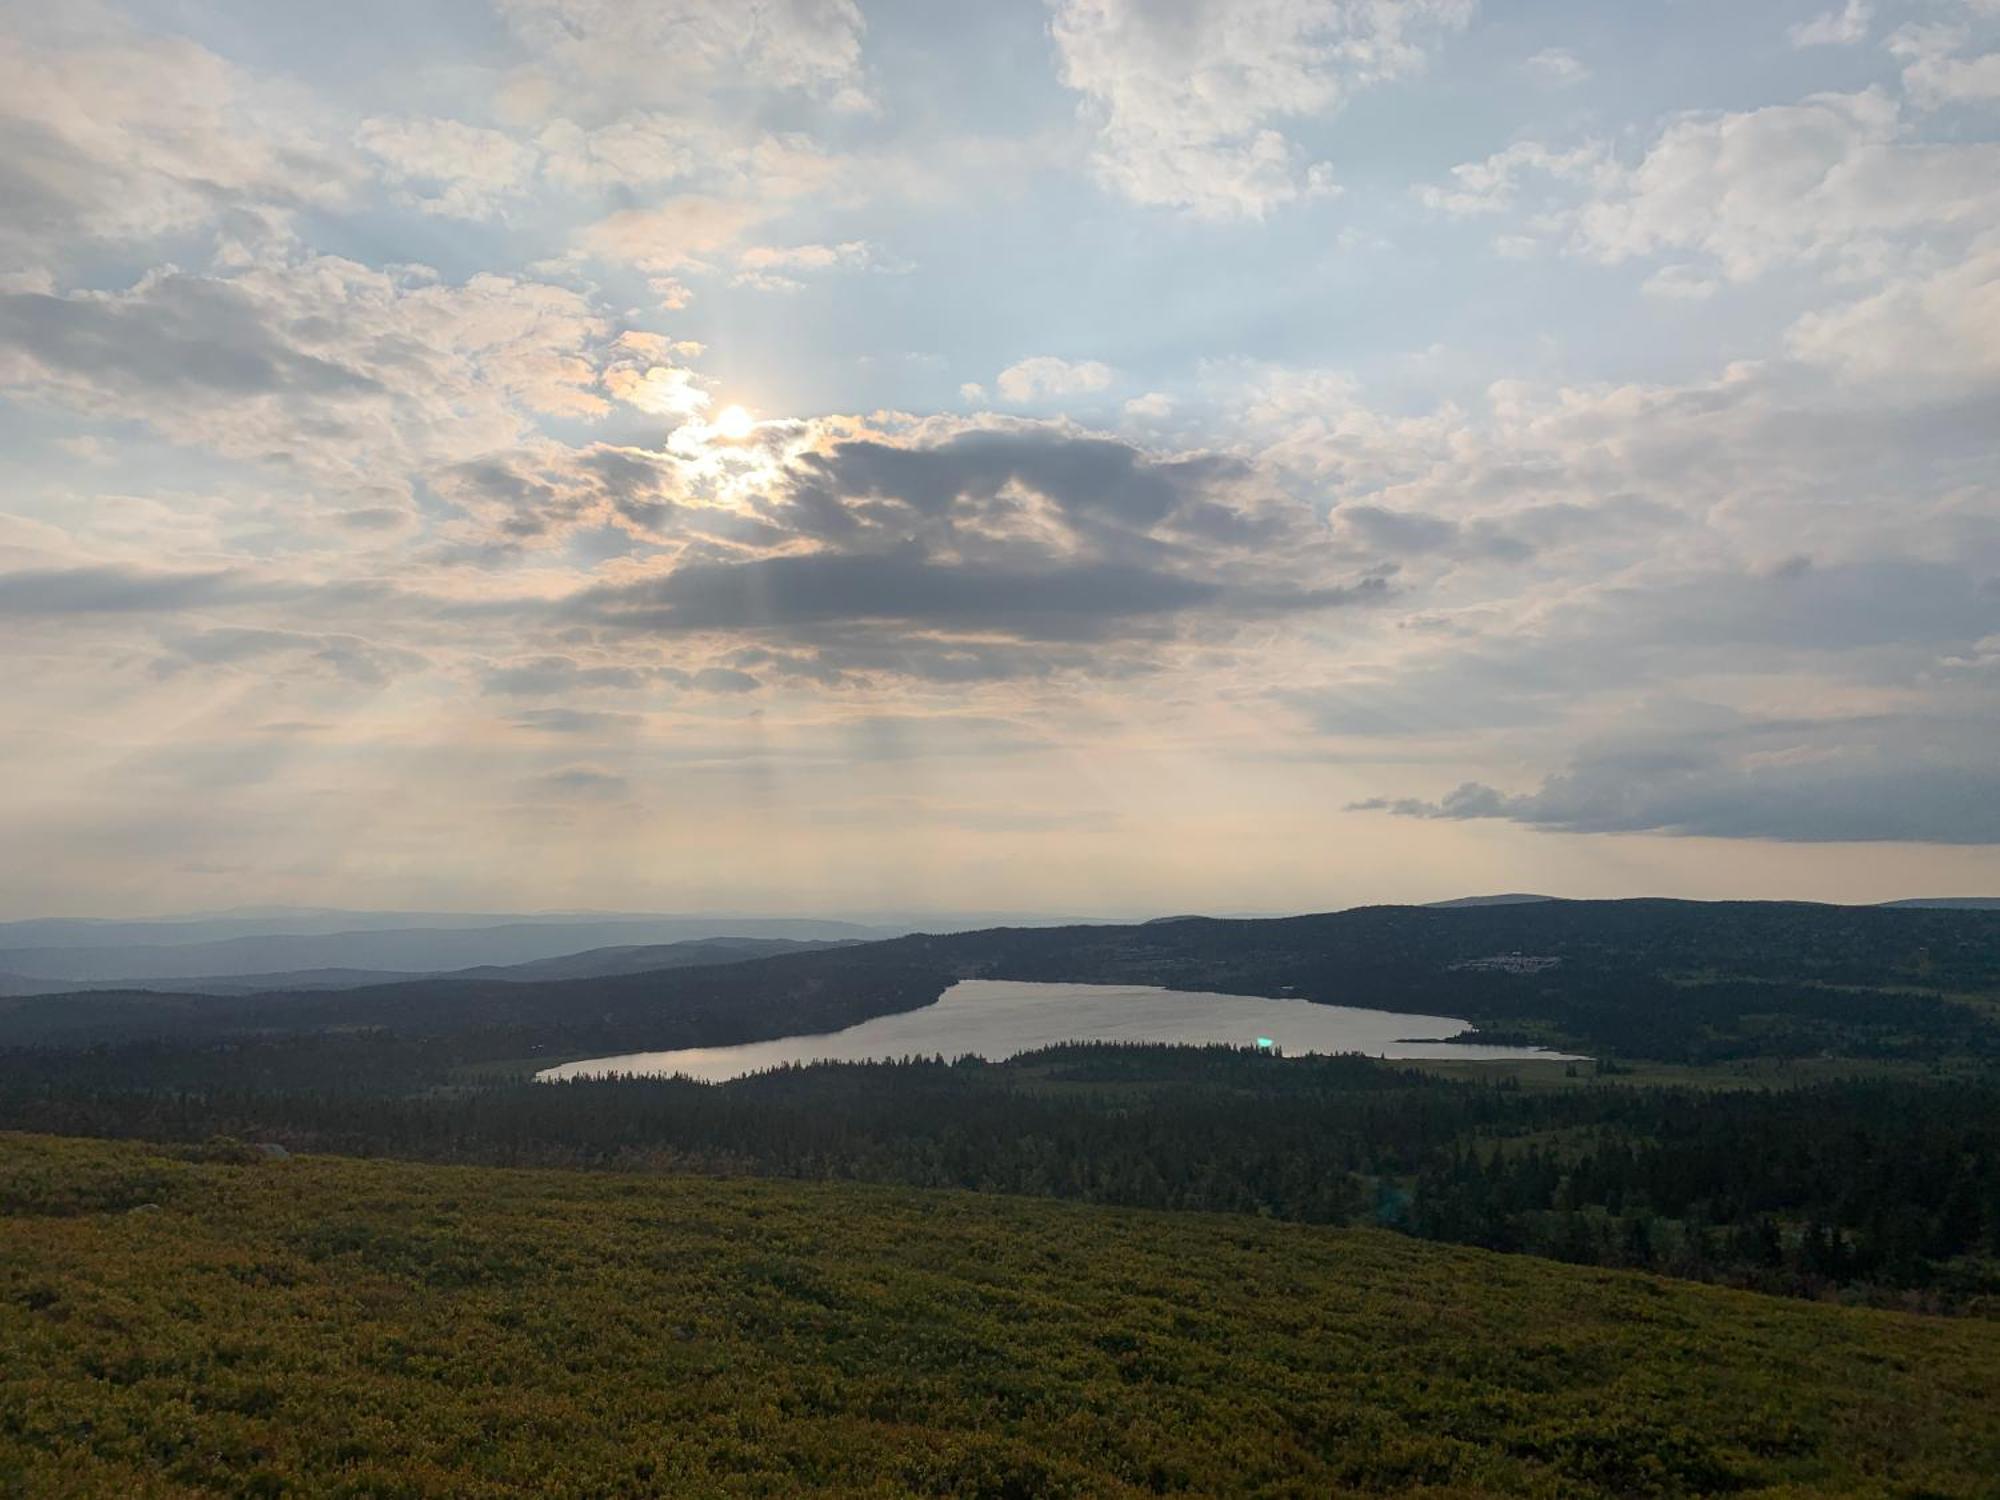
1086, 456
883, 916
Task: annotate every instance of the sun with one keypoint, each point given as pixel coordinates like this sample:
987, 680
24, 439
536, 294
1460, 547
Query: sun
734, 422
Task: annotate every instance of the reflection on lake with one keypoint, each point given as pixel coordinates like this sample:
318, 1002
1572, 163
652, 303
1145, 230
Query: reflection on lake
999, 1018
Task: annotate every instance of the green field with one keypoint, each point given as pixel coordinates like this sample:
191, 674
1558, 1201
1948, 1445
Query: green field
336, 1327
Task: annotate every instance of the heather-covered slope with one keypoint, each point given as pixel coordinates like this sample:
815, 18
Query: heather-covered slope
175, 1327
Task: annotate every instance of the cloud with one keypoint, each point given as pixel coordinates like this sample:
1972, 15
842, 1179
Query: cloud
1492, 185
1835, 28
574, 721
1044, 375
1558, 65
707, 157
606, 672
106, 590
724, 680
1565, 556
1839, 183
449, 168
1187, 99
172, 333
989, 551
1937, 70
546, 676
658, 51
350, 657
316, 364
541, 493
789, 594
658, 390
1402, 532
849, 253
1680, 284
1831, 178
637, 150
587, 782
681, 234
1836, 181
1797, 783
130, 137
1940, 329
776, 268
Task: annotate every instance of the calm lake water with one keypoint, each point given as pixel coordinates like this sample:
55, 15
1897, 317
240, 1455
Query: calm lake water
998, 1018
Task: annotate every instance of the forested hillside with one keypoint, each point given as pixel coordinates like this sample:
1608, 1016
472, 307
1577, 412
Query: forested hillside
216, 1323
1682, 981
682, 1007
1687, 982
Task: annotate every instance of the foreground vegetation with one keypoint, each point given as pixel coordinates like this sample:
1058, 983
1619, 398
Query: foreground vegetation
210, 1322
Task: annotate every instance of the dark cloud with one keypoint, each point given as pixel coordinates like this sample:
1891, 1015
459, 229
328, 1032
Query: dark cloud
545, 676
106, 590
1396, 530
1881, 602
373, 518
40, 176
1512, 536
981, 557
1026, 494
176, 332
789, 594
545, 493
1818, 784
518, 504
1097, 481
553, 676
1889, 620
574, 721
583, 782
724, 680
361, 661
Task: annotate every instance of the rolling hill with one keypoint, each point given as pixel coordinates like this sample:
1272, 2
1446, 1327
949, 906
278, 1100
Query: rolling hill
592, 963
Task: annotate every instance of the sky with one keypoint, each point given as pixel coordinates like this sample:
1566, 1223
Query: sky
1090, 456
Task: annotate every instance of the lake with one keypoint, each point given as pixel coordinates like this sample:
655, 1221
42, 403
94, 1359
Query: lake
1000, 1018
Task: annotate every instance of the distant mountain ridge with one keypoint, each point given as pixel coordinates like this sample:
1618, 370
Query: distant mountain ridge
592, 963
534, 947
418, 950
1507, 898
1948, 903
